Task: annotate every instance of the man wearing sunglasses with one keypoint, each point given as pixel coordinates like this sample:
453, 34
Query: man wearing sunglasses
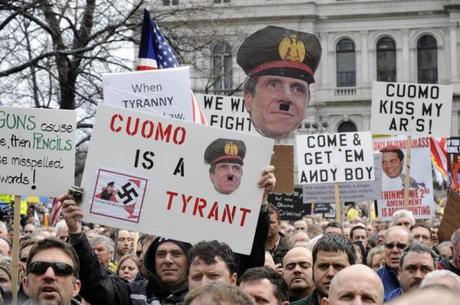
395, 241
297, 273
52, 273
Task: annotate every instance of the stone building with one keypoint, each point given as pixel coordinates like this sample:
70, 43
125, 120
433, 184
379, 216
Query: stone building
362, 40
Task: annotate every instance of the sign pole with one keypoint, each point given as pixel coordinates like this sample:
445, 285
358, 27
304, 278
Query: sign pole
407, 178
338, 210
15, 251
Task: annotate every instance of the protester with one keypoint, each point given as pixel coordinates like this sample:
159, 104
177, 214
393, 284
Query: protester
124, 243
300, 225
357, 284
297, 273
445, 249
333, 227
277, 92
5, 246
29, 229
52, 273
128, 268
422, 233
103, 247
276, 244
416, 261
442, 278
453, 264
62, 232
403, 218
299, 238
376, 258
5, 273
265, 286
396, 239
331, 253
359, 233
217, 294
429, 296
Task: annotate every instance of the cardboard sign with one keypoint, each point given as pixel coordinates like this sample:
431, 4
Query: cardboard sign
320, 208
226, 112
37, 150
283, 160
289, 205
411, 109
163, 92
349, 191
451, 218
453, 162
421, 201
151, 174
338, 157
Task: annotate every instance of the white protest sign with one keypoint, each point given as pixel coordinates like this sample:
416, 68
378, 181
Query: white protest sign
394, 156
163, 92
37, 151
338, 157
148, 173
226, 112
411, 109
349, 191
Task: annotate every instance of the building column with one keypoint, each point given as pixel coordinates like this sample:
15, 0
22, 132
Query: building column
364, 59
453, 53
405, 63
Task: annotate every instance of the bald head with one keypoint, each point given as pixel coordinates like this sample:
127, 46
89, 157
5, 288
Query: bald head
355, 284
427, 296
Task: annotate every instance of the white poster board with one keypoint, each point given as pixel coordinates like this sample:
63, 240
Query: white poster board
163, 184
226, 112
337, 157
421, 201
37, 151
349, 191
163, 92
411, 109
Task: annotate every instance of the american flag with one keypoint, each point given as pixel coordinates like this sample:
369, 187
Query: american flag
439, 154
156, 53
55, 211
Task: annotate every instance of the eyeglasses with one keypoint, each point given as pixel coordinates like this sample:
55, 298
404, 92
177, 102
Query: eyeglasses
397, 245
303, 265
40, 267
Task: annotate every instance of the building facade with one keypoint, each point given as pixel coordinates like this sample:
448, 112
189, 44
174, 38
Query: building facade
415, 41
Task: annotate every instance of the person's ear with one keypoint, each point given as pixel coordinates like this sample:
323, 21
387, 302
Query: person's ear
324, 301
76, 288
248, 98
233, 278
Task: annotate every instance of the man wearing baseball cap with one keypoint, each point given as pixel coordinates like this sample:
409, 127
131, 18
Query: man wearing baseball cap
226, 159
280, 64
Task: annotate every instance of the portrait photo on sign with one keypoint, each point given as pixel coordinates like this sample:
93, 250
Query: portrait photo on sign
225, 158
280, 64
118, 195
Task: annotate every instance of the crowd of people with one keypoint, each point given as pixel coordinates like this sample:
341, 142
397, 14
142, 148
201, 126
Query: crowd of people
311, 261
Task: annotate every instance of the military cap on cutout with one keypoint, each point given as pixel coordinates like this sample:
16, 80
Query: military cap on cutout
279, 51
225, 151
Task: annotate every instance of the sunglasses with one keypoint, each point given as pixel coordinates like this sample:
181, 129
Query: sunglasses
397, 245
40, 267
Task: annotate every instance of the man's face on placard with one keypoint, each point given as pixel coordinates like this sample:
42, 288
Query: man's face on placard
226, 177
391, 164
278, 104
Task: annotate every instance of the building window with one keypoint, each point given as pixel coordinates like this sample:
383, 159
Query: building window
170, 2
346, 67
221, 1
222, 67
427, 60
347, 126
386, 60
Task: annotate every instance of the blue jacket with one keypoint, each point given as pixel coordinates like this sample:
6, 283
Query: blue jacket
389, 279
393, 294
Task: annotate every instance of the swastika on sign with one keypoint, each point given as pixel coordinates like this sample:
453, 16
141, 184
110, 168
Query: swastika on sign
128, 193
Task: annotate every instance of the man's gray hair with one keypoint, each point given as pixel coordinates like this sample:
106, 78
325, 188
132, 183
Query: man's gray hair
432, 279
403, 213
455, 237
102, 239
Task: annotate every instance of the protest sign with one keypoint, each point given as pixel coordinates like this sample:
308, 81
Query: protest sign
453, 162
283, 161
151, 174
226, 112
320, 208
451, 218
37, 150
349, 191
394, 174
338, 157
411, 109
289, 205
163, 92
